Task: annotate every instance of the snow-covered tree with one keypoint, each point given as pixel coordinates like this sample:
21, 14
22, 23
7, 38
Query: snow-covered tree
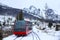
32, 9
26, 10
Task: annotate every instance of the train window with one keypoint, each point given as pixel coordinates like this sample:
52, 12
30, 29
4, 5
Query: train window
20, 24
29, 24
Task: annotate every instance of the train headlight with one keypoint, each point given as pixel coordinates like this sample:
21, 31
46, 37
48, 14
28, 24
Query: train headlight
33, 23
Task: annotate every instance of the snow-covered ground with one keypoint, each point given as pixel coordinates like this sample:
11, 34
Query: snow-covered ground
51, 35
42, 35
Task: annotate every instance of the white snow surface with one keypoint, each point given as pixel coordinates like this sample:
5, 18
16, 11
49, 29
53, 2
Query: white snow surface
42, 35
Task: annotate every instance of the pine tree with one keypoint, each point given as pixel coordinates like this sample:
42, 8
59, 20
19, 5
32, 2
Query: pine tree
20, 16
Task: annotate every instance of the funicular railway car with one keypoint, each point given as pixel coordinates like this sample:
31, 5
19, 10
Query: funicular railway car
21, 26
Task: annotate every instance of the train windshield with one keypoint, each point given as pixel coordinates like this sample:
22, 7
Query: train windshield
19, 25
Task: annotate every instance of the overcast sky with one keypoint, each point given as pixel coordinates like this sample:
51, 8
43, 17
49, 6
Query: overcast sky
54, 4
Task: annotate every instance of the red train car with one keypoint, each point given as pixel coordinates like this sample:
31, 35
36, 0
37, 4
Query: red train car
21, 26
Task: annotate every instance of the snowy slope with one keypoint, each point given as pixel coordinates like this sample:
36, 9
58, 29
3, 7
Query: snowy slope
32, 36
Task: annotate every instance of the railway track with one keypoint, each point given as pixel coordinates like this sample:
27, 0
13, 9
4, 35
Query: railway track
33, 34
18, 37
36, 35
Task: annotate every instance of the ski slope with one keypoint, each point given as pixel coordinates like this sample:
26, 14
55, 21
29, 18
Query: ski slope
36, 34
